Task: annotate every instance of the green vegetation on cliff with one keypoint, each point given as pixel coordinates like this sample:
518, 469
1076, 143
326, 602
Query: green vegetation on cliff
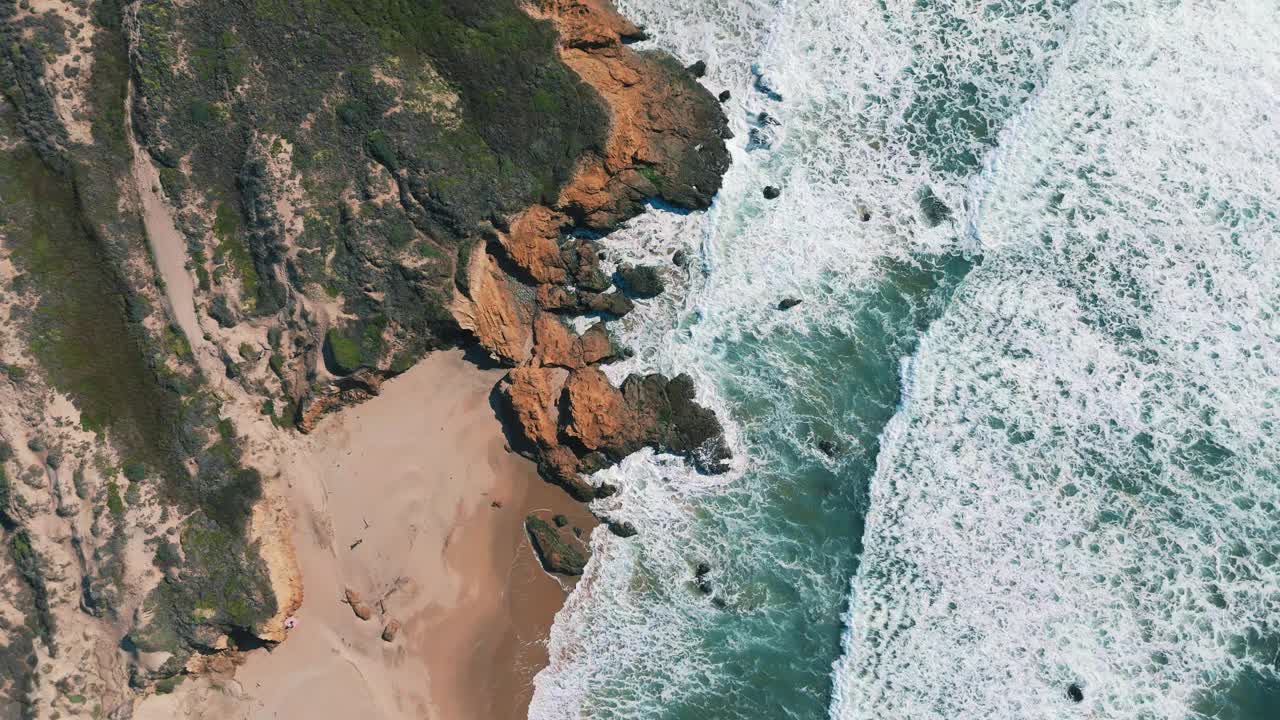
67, 224
459, 109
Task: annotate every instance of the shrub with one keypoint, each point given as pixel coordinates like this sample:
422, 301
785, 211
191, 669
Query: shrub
135, 471
341, 353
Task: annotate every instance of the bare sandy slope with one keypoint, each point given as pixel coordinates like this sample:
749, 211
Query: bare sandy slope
168, 246
411, 500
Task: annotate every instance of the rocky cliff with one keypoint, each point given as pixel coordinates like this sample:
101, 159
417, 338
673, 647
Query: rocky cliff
336, 189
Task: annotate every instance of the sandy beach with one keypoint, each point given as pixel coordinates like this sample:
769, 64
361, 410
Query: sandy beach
413, 501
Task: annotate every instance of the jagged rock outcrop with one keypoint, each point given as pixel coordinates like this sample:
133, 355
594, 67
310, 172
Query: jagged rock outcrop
555, 344
578, 423
361, 385
531, 243
665, 140
492, 311
665, 131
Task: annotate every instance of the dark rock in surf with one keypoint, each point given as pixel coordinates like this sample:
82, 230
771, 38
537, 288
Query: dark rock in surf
828, 448
698, 69
935, 211
771, 193
723, 96
641, 281
1075, 692
622, 529
582, 260
680, 259
764, 119
758, 139
633, 35
700, 579
788, 303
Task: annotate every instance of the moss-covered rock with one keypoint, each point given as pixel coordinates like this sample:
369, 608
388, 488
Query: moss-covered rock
557, 553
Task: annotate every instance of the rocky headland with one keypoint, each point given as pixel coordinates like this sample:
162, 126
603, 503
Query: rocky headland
335, 190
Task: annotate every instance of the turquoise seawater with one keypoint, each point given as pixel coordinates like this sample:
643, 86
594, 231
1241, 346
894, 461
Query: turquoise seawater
1019, 433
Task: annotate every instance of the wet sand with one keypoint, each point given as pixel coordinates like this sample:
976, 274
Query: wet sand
412, 500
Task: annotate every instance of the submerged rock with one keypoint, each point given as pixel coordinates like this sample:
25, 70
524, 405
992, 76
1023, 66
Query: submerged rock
762, 86
935, 211
758, 139
1075, 692
788, 303
771, 193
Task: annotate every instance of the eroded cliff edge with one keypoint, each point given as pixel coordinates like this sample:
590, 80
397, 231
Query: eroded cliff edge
442, 179
353, 185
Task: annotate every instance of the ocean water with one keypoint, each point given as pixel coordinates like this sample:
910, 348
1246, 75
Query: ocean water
1018, 435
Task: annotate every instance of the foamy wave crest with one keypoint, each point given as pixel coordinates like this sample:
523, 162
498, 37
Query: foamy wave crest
1081, 486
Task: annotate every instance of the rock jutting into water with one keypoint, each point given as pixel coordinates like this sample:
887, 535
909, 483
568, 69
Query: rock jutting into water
664, 141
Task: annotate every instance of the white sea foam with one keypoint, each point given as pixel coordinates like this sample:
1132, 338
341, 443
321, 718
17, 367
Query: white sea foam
867, 121
1082, 482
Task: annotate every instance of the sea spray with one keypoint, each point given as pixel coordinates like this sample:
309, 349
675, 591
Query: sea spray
1080, 490
876, 119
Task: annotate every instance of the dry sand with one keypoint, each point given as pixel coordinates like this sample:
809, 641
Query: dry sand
412, 500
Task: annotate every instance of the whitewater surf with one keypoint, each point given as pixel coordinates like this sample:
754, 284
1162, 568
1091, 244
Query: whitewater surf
1011, 456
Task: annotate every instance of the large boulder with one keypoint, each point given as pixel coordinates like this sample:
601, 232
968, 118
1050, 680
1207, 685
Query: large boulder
641, 281
557, 553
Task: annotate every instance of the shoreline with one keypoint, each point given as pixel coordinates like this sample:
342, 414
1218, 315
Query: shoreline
413, 500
